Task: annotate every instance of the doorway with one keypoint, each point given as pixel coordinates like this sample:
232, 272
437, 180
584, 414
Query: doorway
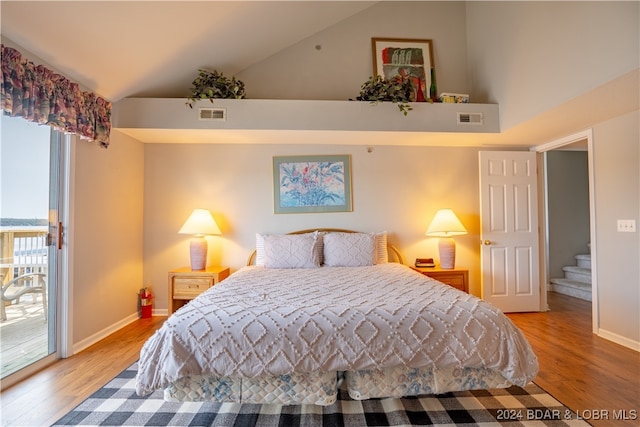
569, 247
568, 211
31, 162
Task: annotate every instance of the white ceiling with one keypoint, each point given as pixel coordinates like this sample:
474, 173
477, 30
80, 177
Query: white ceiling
103, 46
150, 48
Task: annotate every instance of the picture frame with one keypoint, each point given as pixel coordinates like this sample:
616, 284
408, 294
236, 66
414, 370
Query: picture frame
306, 184
412, 58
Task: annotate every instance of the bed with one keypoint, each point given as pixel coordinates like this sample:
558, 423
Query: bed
318, 309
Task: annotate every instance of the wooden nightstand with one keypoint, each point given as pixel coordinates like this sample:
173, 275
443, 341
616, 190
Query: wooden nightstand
456, 277
186, 284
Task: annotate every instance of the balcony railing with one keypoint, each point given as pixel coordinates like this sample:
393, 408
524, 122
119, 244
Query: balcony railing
22, 250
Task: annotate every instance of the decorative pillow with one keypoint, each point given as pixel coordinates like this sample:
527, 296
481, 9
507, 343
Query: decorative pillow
291, 250
349, 249
380, 241
260, 249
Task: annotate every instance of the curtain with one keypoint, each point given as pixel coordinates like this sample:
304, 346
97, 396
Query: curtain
39, 95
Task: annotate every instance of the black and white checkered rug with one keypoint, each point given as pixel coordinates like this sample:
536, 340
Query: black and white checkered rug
116, 404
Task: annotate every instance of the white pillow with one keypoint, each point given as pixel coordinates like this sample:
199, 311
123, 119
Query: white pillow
260, 249
291, 250
349, 249
380, 242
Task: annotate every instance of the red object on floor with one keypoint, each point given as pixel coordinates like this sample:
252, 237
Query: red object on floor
145, 303
146, 311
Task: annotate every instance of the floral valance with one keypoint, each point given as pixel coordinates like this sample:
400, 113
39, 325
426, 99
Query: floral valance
39, 95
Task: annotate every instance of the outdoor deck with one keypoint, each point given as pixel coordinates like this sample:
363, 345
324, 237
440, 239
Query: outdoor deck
24, 335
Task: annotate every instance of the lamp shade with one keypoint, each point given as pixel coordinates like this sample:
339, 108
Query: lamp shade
445, 224
200, 223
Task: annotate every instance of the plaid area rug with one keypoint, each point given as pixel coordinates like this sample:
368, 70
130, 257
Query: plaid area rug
117, 404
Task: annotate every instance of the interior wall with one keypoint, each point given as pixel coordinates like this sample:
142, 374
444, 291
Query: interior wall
334, 63
397, 189
131, 188
107, 234
617, 194
530, 56
568, 208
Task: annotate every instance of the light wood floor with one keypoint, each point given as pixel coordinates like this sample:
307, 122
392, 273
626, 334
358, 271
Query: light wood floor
46, 396
584, 372
24, 335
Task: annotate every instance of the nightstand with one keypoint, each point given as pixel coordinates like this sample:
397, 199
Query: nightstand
186, 284
456, 277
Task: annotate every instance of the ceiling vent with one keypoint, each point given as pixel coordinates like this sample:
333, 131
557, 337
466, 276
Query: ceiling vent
470, 119
213, 114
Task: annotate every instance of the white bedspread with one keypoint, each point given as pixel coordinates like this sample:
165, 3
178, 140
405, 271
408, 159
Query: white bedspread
263, 321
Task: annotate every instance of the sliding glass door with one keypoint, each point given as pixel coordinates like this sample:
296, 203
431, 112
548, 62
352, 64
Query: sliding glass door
30, 157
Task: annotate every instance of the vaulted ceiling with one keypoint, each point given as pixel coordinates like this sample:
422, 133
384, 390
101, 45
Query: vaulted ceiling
151, 48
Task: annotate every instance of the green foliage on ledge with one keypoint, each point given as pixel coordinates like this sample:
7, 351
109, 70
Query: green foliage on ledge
377, 89
214, 85
211, 85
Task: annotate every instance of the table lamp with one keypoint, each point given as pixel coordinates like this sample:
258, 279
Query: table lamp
445, 225
200, 223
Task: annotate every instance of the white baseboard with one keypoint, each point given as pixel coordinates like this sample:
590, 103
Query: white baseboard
89, 341
618, 339
79, 346
160, 312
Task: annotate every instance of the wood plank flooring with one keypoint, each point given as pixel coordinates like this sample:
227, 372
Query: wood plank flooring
23, 336
49, 394
583, 371
588, 374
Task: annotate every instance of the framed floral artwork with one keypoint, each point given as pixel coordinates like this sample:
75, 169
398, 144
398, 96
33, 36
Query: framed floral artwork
305, 184
406, 58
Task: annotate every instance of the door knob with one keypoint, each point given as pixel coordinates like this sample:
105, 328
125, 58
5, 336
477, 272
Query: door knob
487, 242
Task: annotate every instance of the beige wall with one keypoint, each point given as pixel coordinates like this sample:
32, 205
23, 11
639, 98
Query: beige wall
106, 227
344, 62
617, 193
532, 56
397, 189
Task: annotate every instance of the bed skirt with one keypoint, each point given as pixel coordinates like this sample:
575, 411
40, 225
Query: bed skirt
322, 388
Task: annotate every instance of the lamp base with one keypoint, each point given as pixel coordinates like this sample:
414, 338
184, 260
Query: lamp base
198, 250
447, 248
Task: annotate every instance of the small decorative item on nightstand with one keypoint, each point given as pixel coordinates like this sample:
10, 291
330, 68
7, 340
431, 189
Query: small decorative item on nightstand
185, 284
425, 262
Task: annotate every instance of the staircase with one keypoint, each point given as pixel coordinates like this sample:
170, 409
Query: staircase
577, 279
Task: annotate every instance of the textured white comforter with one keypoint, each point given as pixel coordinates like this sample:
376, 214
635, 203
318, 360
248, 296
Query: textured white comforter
263, 321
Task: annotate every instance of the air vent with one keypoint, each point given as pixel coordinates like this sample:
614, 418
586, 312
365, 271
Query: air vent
470, 118
213, 114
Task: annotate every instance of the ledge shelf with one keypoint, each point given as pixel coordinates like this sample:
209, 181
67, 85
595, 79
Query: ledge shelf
262, 114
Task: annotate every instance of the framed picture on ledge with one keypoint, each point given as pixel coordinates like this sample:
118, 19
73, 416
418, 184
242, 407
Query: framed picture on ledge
303, 184
406, 58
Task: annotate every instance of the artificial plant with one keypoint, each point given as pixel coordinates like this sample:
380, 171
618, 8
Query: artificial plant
377, 89
212, 84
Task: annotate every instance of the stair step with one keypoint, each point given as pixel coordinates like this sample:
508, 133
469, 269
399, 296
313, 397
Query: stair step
572, 288
579, 274
584, 260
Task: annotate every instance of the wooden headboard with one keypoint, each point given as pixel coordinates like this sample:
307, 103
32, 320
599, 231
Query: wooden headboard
394, 253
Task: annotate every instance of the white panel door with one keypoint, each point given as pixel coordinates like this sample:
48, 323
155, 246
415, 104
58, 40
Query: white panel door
509, 230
